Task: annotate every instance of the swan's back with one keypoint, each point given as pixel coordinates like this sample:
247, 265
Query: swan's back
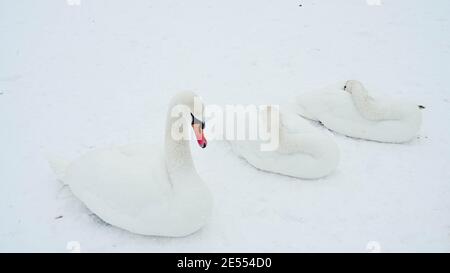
330, 101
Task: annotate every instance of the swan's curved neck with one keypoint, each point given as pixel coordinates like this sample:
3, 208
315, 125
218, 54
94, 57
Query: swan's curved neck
368, 107
177, 151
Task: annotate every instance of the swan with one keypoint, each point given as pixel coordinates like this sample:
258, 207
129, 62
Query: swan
146, 189
347, 108
303, 151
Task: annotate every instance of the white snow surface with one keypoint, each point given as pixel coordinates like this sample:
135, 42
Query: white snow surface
79, 77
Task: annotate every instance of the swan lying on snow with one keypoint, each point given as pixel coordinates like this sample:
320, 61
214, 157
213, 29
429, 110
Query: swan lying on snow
146, 189
348, 109
303, 150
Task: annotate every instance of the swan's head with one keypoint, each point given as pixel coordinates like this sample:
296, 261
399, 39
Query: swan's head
191, 105
198, 126
351, 85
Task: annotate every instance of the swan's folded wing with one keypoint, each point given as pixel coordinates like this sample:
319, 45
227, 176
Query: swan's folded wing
122, 182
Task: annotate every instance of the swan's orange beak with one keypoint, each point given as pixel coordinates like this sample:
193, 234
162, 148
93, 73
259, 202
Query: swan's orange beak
199, 135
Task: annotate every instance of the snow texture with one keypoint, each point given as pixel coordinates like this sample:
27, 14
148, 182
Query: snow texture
78, 77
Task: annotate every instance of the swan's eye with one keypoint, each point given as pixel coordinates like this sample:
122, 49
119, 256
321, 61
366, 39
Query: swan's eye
197, 121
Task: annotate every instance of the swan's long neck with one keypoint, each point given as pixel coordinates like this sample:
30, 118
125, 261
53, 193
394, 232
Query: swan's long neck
296, 133
177, 151
368, 107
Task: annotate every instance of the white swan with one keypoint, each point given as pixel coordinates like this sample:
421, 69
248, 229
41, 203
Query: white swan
146, 189
303, 151
348, 109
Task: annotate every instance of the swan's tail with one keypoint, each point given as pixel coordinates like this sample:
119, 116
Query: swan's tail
59, 167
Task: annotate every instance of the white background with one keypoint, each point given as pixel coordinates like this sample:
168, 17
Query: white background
75, 78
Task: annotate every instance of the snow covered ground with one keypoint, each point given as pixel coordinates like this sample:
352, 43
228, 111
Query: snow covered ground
77, 77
